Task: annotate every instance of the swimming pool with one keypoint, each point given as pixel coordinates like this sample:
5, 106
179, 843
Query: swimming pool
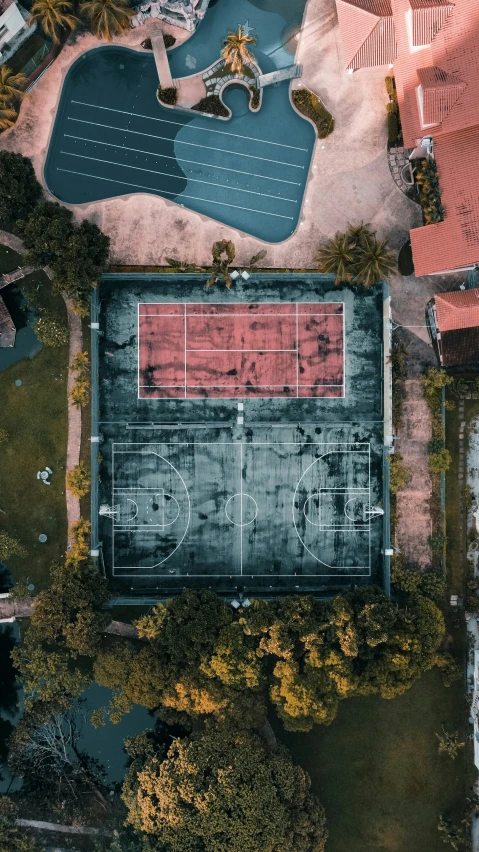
111, 137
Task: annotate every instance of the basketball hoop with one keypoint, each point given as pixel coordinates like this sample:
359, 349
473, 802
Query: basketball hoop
108, 511
373, 512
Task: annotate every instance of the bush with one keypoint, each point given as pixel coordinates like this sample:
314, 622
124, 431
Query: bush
50, 331
19, 592
19, 188
79, 480
167, 38
436, 445
168, 96
3, 435
393, 127
309, 105
440, 462
80, 392
399, 475
429, 191
437, 541
212, 104
10, 547
391, 88
255, 97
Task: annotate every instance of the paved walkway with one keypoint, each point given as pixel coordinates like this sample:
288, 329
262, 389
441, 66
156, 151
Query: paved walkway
414, 518
161, 59
74, 416
40, 825
11, 609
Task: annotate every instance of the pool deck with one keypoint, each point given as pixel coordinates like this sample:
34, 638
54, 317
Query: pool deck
349, 180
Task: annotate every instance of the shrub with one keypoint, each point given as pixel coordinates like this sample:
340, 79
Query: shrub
437, 541
440, 462
79, 480
436, 445
393, 127
429, 191
50, 331
168, 96
399, 474
391, 88
255, 97
169, 40
19, 188
19, 592
3, 435
212, 104
10, 547
309, 105
80, 392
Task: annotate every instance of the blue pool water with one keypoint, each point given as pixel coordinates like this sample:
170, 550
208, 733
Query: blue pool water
111, 136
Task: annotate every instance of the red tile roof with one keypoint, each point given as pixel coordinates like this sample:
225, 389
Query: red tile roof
427, 19
457, 310
440, 92
367, 31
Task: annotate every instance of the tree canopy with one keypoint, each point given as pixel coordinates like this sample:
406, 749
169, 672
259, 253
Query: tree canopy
77, 254
19, 188
222, 791
11, 837
203, 659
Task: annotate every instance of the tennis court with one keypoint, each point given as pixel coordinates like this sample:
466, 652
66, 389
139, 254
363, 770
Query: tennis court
240, 433
236, 350
111, 137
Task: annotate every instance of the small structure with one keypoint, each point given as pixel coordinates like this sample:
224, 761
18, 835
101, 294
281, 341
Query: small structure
44, 474
180, 13
453, 322
13, 27
7, 327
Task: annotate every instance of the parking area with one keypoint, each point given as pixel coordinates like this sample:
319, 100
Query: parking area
111, 137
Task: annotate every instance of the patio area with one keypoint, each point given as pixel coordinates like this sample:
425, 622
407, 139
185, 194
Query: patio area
349, 178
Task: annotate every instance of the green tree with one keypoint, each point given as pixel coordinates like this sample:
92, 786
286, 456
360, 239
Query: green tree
235, 52
107, 17
399, 474
449, 743
79, 480
47, 676
440, 462
19, 188
8, 117
11, 93
77, 255
373, 261
10, 547
56, 17
11, 837
70, 610
220, 264
50, 330
225, 791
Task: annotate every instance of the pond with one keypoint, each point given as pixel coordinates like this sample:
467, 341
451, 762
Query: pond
111, 136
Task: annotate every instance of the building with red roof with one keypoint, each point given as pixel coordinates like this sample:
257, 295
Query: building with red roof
453, 320
436, 68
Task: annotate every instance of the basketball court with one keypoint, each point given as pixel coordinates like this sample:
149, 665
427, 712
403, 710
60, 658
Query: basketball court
241, 438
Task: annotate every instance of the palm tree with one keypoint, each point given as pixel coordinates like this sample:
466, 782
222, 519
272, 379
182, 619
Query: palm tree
373, 262
359, 233
235, 53
337, 257
10, 85
107, 17
55, 17
7, 117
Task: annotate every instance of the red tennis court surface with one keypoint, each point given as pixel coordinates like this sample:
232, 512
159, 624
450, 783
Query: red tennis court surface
240, 350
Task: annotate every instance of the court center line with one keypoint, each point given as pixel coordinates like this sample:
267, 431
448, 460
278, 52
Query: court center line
161, 192
178, 177
182, 142
191, 127
183, 159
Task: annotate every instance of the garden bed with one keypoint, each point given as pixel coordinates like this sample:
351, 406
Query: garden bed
308, 104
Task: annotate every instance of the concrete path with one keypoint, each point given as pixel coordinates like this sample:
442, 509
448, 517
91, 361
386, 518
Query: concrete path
17, 275
74, 416
414, 518
13, 242
290, 73
63, 829
161, 59
11, 609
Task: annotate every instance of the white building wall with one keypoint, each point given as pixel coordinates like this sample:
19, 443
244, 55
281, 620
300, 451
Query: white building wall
11, 22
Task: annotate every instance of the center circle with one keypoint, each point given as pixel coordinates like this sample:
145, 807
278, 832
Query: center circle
241, 510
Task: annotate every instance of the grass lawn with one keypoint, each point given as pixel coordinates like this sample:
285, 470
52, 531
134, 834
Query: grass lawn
456, 525
378, 773
128, 613
35, 417
9, 259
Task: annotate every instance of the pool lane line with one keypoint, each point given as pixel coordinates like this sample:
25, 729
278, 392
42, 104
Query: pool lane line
181, 195
183, 159
192, 127
182, 142
179, 177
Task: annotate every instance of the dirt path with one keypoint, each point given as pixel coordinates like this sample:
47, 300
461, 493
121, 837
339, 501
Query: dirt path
74, 416
414, 520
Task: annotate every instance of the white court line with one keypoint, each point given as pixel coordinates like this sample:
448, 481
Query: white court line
183, 159
241, 509
175, 194
138, 347
297, 353
178, 177
185, 349
191, 127
235, 316
256, 351
241, 385
182, 142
